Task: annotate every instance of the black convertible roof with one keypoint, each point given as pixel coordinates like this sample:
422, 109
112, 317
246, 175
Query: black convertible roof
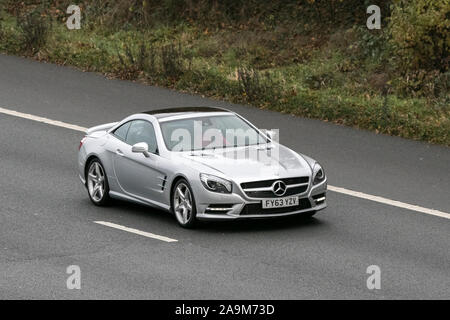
168, 112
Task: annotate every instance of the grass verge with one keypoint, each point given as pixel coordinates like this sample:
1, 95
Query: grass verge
333, 78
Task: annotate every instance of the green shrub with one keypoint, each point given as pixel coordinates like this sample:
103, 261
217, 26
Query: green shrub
215, 13
420, 32
129, 69
2, 33
34, 28
172, 61
168, 62
257, 87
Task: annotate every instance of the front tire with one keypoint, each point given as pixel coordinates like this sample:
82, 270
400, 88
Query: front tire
97, 183
183, 204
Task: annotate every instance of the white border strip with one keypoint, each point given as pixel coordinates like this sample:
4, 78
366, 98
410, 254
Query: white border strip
136, 231
390, 202
43, 120
331, 188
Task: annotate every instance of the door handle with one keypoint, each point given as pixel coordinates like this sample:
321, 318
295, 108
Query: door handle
120, 153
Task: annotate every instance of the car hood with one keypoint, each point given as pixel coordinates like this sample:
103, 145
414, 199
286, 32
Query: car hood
249, 163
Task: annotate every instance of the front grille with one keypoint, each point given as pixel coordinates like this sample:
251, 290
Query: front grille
269, 183
267, 191
256, 208
270, 194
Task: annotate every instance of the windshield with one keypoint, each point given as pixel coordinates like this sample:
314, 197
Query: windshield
209, 132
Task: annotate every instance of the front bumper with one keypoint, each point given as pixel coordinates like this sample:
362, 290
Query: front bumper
315, 198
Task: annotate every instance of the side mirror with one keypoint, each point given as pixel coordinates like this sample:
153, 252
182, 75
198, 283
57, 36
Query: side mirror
141, 147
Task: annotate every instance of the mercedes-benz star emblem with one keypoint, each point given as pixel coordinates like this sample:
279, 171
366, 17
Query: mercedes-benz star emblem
279, 188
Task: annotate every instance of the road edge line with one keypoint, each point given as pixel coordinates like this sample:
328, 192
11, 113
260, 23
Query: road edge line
390, 202
43, 120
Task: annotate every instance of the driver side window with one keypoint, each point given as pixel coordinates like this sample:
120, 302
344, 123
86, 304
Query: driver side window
142, 131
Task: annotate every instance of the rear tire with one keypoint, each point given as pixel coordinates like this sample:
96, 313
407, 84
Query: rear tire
183, 204
97, 183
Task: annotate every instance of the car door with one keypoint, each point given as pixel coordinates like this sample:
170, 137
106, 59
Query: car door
136, 174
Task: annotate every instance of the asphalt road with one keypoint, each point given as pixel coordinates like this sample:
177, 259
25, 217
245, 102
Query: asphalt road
47, 221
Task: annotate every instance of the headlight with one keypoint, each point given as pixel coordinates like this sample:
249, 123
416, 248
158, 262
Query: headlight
318, 174
215, 184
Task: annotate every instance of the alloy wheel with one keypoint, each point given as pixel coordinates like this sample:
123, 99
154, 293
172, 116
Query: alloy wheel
182, 202
96, 182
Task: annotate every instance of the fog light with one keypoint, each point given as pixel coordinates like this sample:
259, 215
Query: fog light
319, 198
218, 208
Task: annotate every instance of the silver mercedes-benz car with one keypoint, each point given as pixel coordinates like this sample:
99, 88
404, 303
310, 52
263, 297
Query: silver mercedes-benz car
199, 163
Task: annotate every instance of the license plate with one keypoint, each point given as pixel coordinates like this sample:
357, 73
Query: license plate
280, 202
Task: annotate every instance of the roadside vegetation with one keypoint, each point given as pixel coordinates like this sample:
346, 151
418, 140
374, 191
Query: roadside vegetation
311, 58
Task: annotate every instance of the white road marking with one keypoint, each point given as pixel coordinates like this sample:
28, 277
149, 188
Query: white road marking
136, 231
352, 193
43, 120
389, 202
